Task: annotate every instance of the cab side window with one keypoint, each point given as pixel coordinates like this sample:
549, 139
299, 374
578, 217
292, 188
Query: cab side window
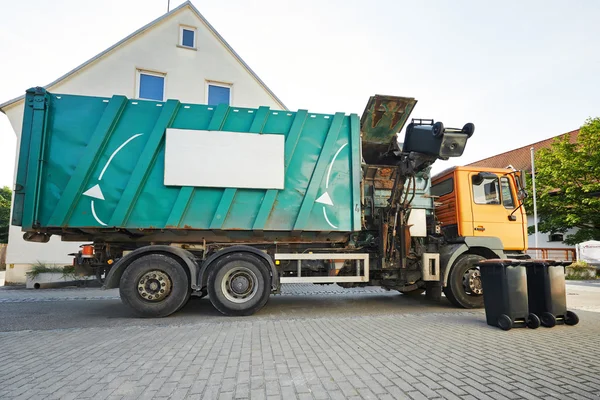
443, 188
486, 191
507, 198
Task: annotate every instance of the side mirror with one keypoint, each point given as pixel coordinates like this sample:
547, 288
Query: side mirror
478, 179
522, 194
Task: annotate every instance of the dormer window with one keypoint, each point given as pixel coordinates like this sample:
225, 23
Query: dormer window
187, 37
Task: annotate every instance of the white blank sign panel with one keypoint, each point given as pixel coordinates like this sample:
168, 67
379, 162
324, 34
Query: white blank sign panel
224, 159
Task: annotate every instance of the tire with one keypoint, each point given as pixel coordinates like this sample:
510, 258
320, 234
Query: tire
239, 284
533, 321
137, 286
504, 322
571, 318
548, 319
456, 291
438, 129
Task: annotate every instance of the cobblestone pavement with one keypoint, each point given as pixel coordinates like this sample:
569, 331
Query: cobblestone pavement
362, 344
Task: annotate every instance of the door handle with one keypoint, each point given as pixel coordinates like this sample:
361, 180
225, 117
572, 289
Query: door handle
479, 228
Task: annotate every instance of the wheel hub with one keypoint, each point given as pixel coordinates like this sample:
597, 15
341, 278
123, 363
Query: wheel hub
240, 285
472, 281
154, 286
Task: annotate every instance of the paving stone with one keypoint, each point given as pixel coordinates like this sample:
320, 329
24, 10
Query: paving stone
379, 356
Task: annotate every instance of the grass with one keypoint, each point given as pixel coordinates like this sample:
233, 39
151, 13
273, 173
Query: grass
40, 268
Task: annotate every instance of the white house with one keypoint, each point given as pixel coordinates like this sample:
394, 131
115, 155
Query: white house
180, 56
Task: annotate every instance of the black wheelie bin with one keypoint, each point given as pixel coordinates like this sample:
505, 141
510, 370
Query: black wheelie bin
505, 294
547, 292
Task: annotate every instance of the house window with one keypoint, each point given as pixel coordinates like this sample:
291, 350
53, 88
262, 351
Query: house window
555, 237
187, 37
151, 86
218, 93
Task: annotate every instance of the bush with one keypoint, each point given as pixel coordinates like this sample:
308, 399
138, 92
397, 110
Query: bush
580, 270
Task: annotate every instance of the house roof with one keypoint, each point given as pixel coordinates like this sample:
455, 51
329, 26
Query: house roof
520, 158
187, 3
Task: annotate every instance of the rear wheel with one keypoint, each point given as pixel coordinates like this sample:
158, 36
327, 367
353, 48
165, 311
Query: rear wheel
464, 282
154, 285
239, 284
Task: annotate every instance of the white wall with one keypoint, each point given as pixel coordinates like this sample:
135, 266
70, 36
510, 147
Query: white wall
543, 241
187, 72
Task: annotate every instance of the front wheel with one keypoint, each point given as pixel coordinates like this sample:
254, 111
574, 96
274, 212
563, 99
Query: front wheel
239, 284
154, 285
464, 287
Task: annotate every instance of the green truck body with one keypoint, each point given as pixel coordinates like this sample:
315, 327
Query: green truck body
182, 199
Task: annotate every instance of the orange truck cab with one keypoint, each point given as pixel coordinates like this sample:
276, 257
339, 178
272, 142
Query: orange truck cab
481, 216
481, 202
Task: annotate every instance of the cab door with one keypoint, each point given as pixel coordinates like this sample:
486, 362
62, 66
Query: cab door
493, 201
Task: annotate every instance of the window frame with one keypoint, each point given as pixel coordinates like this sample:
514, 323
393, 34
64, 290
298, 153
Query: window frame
138, 78
219, 84
187, 28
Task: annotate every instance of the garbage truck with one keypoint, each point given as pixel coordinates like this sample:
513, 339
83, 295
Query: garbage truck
176, 200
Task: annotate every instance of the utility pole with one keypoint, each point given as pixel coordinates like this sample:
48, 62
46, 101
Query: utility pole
535, 218
168, 5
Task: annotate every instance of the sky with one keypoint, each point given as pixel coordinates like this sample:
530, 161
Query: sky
521, 71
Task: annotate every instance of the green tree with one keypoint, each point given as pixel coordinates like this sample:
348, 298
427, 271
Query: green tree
5, 198
567, 180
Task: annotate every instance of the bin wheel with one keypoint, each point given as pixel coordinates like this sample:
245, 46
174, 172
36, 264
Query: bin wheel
154, 285
469, 129
438, 129
571, 318
504, 322
533, 321
239, 284
548, 319
464, 282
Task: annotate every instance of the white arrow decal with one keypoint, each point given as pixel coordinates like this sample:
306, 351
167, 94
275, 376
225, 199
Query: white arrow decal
325, 199
94, 192
327, 219
95, 216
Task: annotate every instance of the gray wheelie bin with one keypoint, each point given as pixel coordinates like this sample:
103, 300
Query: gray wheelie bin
547, 292
505, 294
